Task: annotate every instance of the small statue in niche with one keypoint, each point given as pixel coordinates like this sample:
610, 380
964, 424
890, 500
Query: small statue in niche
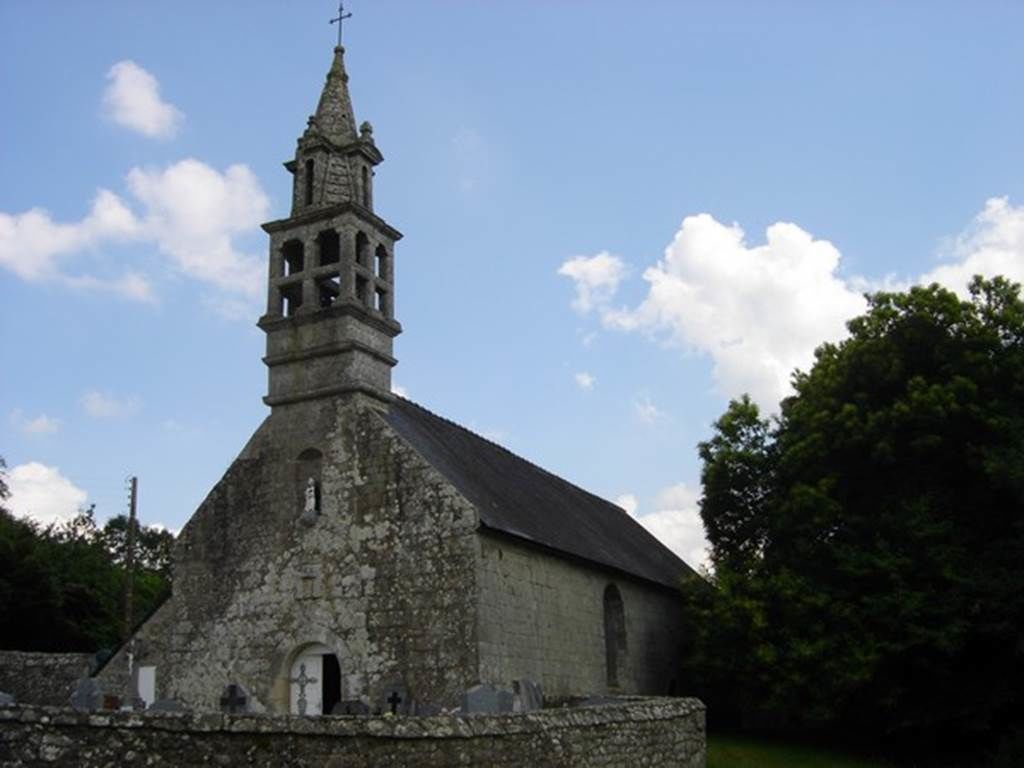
311, 509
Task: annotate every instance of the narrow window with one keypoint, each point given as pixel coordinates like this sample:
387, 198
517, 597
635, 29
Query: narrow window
329, 247
380, 267
292, 295
310, 165
614, 634
294, 257
380, 300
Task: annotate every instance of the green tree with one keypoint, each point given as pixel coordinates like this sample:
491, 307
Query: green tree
61, 587
870, 543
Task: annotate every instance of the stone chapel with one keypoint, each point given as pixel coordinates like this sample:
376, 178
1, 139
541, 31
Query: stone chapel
363, 549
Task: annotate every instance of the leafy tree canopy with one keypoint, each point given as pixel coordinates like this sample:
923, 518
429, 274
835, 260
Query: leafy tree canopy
61, 587
868, 543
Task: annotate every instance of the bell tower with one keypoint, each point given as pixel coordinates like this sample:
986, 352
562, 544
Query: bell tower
330, 320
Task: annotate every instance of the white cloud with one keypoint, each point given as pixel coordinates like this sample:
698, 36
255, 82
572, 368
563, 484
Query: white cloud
647, 411
628, 502
676, 523
103, 405
190, 212
992, 245
597, 279
132, 99
41, 425
161, 527
31, 244
585, 381
43, 494
399, 390
759, 311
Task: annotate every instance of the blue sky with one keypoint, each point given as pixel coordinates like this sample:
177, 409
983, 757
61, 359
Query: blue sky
616, 216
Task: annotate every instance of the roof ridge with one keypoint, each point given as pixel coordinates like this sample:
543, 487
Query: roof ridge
511, 453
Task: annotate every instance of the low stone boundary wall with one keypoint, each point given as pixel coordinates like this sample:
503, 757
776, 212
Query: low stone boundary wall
649, 732
42, 678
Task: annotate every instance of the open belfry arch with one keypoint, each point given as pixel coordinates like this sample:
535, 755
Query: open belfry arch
364, 554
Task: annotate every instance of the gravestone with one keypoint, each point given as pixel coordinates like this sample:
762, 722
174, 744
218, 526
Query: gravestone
351, 707
485, 699
395, 699
426, 709
235, 699
166, 705
6, 700
528, 695
88, 695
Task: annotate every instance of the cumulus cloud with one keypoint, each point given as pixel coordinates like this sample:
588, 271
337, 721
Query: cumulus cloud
40, 425
585, 381
992, 245
103, 405
399, 390
597, 279
628, 502
676, 523
132, 99
31, 244
43, 494
191, 213
760, 310
647, 411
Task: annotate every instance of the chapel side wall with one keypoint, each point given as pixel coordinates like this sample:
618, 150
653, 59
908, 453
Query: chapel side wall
542, 617
385, 575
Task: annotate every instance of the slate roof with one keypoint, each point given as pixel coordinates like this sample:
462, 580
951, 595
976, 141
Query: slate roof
518, 498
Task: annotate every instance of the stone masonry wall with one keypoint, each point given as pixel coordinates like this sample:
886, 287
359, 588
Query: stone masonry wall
42, 678
542, 617
656, 733
384, 576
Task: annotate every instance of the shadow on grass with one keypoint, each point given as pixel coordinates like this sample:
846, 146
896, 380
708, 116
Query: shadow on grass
727, 751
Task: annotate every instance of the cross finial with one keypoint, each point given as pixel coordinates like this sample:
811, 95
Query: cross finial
341, 18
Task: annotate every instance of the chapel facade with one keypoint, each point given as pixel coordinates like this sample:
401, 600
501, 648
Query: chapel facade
363, 550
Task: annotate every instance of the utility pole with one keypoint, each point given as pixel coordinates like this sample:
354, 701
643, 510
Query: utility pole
129, 565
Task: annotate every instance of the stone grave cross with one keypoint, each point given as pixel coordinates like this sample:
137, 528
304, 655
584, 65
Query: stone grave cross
394, 700
233, 700
302, 681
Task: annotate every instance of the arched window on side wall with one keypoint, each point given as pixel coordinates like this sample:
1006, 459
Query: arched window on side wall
614, 635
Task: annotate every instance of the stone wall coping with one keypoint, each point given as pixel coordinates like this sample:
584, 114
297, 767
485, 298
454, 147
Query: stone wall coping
638, 709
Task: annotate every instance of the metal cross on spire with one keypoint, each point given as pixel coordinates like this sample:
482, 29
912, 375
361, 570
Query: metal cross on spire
341, 18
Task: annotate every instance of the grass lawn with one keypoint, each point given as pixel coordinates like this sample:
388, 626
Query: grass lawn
738, 752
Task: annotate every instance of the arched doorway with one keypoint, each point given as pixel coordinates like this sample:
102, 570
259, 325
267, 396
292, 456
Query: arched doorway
314, 681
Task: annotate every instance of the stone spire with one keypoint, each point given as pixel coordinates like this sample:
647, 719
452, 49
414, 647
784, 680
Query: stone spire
334, 119
330, 317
